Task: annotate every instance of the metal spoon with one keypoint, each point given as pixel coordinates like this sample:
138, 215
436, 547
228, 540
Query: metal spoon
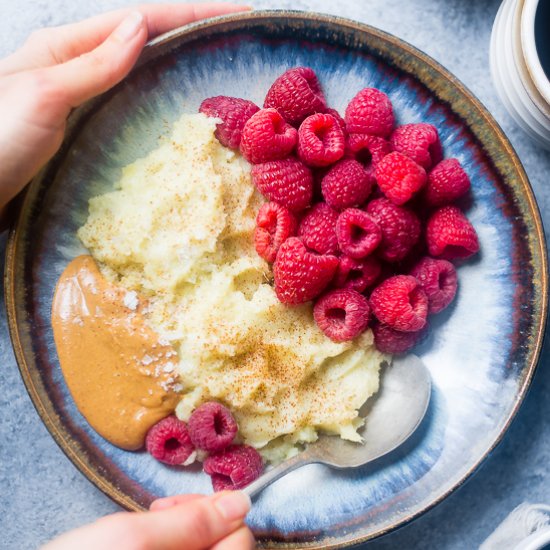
391, 417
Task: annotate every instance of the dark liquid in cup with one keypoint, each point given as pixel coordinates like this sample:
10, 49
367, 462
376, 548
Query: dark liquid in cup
542, 35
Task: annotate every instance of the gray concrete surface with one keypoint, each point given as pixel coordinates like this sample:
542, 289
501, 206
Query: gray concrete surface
42, 493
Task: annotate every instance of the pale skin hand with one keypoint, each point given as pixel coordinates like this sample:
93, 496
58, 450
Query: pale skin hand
55, 71
185, 522
58, 69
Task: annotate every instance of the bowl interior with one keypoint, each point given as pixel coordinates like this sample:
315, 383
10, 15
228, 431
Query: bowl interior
482, 351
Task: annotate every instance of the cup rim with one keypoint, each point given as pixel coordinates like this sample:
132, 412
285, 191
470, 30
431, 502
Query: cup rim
529, 47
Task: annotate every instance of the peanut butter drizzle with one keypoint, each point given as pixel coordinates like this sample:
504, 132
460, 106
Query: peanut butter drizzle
119, 373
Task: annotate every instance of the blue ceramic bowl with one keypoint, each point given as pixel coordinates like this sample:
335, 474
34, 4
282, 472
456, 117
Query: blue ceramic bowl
482, 351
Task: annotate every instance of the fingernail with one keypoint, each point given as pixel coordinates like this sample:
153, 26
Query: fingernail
129, 27
233, 506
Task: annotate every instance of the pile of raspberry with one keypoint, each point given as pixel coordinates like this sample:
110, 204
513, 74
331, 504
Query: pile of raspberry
210, 431
361, 216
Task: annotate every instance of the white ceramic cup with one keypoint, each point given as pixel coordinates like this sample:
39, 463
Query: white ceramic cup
517, 71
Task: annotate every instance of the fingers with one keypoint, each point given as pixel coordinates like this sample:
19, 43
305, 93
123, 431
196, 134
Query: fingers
78, 38
162, 19
35, 104
36, 101
51, 46
241, 539
95, 72
197, 523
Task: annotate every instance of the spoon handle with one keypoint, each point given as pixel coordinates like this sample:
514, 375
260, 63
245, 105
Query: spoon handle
275, 473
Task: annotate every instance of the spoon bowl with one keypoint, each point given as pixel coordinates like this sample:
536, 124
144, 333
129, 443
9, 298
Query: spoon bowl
392, 416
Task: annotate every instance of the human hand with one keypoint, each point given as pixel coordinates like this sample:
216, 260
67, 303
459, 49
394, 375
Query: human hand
59, 68
184, 522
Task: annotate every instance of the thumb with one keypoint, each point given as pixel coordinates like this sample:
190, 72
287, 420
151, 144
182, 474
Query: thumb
197, 523
193, 523
95, 72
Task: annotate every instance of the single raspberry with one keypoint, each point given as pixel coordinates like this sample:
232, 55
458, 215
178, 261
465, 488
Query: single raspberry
317, 229
341, 122
342, 314
212, 427
346, 184
234, 467
234, 113
370, 112
320, 140
266, 136
301, 275
420, 142
296, 94
439, 281
358, 233
288, 182
389, 340
357, 274
366, 149
274, 224
450, 235
446, 182
400, 303
168, 441
400, 229
399, 177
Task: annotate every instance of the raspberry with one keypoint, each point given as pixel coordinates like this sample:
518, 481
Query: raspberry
400, 229
356, 274
370, 112
320, 140
450, 235
234, 467
274, 224
266, 136
446, 182
296, 94
389, 340
346, 184
168, 441
358, 233
342, 314
288, 182
420, 142
438, 279
368, 150
318, 229
399, 177
212, 427
400, 303
301, 275
341, 122
234, 113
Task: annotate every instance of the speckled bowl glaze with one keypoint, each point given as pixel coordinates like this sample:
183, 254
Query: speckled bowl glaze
482, 351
